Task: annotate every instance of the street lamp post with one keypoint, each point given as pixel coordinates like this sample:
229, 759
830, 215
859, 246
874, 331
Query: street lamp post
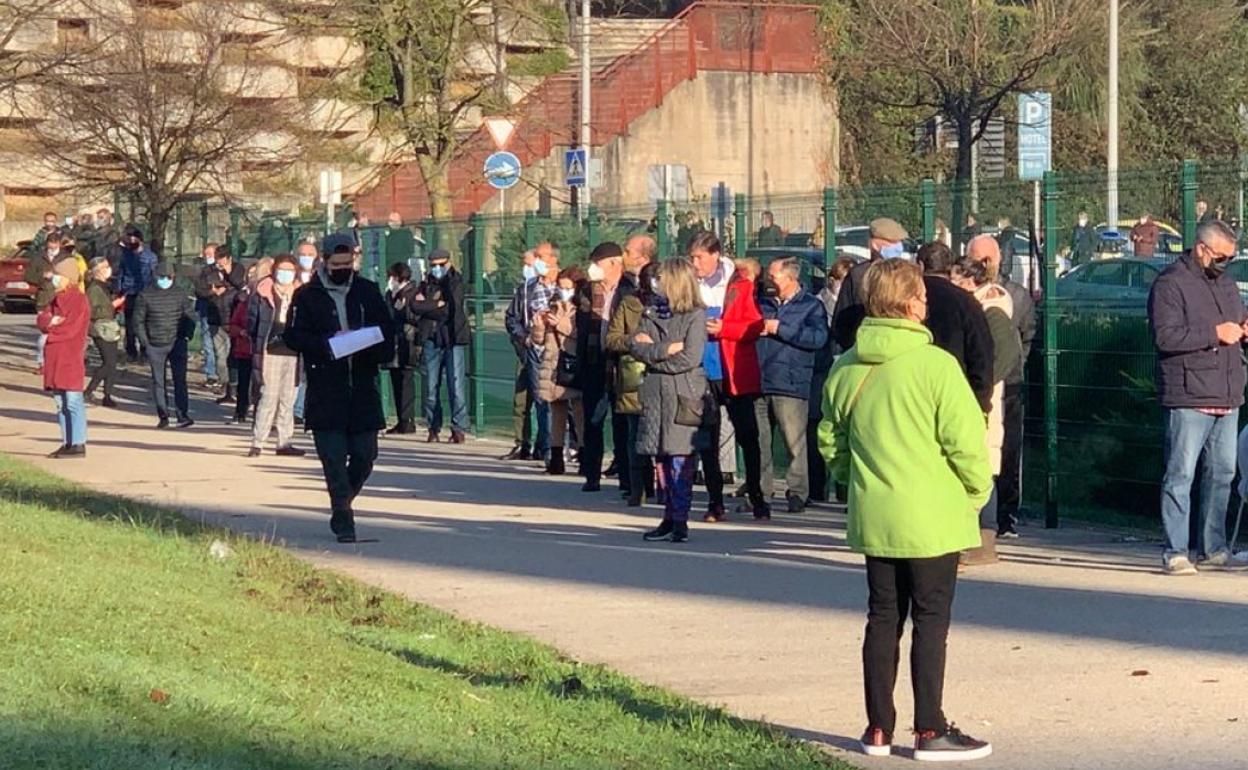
586, 77
1111, 155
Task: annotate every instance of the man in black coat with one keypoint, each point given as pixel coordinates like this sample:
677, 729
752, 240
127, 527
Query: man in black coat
957, 321
164, 322
887, 242
216, 287
441, 320
343, 408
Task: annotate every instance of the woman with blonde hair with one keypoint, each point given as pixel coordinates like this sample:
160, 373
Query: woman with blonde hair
676, 411
904, 432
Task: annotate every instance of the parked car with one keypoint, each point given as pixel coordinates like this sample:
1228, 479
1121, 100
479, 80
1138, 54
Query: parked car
1119, 286
17, 292
853, 240
814, 271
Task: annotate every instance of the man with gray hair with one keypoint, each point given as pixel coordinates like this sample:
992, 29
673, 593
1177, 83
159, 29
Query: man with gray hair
1199, 323
795, 327
518, 322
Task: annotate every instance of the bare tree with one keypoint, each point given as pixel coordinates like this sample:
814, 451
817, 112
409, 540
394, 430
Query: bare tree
169, 105
28, 40
431, 69
959, 60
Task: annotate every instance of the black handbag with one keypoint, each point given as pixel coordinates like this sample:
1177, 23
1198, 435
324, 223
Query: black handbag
566, 369
698, 412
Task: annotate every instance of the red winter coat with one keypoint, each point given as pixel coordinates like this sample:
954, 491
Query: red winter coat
64, 367
743, 322
240, 340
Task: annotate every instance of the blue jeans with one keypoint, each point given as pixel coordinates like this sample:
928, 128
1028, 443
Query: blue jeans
209, 349
541, 409
71, 415
1189, 434
301, 393
453, 361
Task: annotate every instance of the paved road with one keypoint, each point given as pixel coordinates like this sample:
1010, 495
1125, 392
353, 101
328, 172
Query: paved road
766, 620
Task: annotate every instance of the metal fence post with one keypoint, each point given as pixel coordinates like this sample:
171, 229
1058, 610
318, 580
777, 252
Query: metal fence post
739, 235
431, 234
1051, 235
928, 188
664, 237
477, 265
829, 227
234, 236
530, 230
203, 225
591, 227
177, 232
1188, 187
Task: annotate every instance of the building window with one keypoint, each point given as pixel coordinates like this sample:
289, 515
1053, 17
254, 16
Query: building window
72, 31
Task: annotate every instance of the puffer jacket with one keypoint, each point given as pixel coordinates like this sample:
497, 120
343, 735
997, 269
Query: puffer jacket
163, 316
554, 339
1006, 352
670, 378
787, 358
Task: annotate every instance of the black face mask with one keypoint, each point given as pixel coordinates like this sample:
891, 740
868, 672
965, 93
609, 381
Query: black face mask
1216, 268
340, 275
768, 288
135, 243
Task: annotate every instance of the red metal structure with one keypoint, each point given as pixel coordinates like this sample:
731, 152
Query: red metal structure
711, 35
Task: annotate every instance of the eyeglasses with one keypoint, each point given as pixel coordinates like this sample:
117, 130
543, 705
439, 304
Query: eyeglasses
1217, 255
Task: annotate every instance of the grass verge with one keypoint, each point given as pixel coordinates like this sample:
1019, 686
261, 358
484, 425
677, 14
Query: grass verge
126, 645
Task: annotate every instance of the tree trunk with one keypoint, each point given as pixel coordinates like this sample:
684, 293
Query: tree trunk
437, 175
157, 221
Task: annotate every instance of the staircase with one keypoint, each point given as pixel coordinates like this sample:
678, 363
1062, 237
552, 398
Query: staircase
636, 64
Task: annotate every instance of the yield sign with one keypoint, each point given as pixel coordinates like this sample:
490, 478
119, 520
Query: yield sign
500, 130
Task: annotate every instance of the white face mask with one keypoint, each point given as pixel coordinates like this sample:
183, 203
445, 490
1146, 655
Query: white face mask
596, 273
567, 294
392, 284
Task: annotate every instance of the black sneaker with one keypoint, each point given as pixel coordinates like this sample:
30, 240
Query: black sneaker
762, 511
876, 743
164, 423
59, 451
185, 422
342, 524
1007, 533
74, 450
680, 533
612, 470
591, 486
661, 532
950, 746
796, 504
108, 403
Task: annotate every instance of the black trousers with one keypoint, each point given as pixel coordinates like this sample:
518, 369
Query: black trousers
817, 469
242, 367
921, 589
1010, 482
165, 360
347, 461
619, 447
107, 370
403, 383
132, 340
593, 446
741, 410
712, 473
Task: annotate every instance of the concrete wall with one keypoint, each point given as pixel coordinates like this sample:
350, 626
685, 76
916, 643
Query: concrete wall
761, 134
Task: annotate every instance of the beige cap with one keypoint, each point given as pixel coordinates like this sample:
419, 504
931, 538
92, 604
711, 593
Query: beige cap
68, 269
888, 230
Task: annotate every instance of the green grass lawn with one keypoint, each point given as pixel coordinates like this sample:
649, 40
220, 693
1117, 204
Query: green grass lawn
124, 644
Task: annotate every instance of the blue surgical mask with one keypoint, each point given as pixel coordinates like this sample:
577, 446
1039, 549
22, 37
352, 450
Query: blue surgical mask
284, 277
567, 294
306, 262
529, 272
437, 271
210, 261
164, 282
893, 251
541, 268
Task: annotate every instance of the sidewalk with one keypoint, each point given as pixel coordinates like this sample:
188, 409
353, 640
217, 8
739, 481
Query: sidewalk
1044, 656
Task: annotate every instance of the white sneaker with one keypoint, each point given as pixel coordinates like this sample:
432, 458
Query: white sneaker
1179, 565
1216, 559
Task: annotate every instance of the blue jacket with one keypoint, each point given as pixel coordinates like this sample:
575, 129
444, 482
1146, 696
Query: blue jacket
787, 358
135, 273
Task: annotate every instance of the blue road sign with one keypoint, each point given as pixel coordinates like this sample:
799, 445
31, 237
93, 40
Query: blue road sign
575, 167
502, 170
1035, 135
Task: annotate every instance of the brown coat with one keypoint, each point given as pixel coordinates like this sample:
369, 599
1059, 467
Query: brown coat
554, 338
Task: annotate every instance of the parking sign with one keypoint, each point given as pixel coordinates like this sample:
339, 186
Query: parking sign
1035, 135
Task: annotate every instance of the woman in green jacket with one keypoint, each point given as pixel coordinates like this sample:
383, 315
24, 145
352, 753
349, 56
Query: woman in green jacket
629, 372
104, 330
903, 431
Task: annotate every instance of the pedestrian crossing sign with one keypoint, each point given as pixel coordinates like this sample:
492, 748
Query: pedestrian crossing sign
575, 164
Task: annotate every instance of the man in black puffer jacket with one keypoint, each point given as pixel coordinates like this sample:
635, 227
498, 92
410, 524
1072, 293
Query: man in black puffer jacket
164, 321
343, 408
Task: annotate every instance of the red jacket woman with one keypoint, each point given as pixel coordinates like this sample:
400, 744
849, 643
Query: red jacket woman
64, 367
742, 324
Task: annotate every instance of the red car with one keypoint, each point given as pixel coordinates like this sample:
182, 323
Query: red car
17, 293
